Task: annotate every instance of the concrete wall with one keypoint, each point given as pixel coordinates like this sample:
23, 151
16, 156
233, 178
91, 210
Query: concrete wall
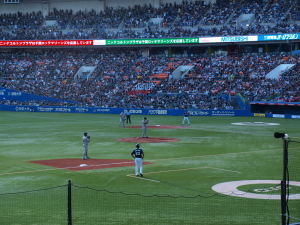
154, 3
77, 5
120, 3
28, 6
47, 5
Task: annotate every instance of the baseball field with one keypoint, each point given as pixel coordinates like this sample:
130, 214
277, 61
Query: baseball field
217, 171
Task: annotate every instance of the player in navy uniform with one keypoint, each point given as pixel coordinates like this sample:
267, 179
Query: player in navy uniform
138, 156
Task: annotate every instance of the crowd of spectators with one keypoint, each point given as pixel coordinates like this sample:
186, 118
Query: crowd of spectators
189, 19
282, 9
127, 79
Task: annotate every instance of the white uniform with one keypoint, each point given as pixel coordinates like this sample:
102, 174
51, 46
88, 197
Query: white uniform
85, 141
145, 127
122, 119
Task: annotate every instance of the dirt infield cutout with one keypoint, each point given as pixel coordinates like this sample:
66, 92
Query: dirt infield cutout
148, 140
90, 164
231, 188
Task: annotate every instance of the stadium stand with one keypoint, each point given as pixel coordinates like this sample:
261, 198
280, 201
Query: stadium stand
191, 18
128, 79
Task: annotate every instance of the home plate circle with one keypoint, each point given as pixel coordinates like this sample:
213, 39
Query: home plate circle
83, 165
231, 188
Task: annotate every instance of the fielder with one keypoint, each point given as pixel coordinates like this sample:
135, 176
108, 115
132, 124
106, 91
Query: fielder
145, 127
138, 156
122, 119
186, 118
85, 141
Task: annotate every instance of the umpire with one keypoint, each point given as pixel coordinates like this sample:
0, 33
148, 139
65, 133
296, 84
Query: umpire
138, 156
128, 116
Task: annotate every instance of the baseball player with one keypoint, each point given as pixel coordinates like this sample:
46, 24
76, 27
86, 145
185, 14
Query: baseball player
186, 118
85, 141
122, 119
145, 127
138, 156
128, 116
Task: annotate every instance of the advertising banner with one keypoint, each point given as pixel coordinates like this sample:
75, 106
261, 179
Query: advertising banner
156, 41
279, 37
46, 43
161, 112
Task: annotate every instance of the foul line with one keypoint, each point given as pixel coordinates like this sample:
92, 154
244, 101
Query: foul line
143, 178
168, 171
215, 168
202, 156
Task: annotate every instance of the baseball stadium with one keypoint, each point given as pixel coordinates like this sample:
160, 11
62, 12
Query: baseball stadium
150, 112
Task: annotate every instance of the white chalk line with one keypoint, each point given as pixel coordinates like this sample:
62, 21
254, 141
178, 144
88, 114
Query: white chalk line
233, 171
202, 156
155, 160
178, 170
142, 178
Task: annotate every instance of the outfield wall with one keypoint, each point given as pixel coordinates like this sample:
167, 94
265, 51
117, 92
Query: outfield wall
163, 112
172, 112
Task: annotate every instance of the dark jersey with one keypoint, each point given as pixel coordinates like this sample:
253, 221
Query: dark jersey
138, 153
186, 114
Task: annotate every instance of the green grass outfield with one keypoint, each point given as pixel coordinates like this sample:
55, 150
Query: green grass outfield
210, 151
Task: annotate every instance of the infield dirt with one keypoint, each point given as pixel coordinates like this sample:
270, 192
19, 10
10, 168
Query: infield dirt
89, 164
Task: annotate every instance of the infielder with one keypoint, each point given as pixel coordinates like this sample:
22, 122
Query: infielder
122, 119
145, 127
186, 118
138, 156
85, 141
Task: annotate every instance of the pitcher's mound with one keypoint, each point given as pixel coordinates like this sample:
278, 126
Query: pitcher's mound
148, 140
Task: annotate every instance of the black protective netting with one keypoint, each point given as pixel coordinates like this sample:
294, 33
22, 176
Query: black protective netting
294, 176
102, 207
122, 208
38, 207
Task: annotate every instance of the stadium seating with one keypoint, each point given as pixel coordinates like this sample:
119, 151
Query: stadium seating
131, 80
128, 79
189, 19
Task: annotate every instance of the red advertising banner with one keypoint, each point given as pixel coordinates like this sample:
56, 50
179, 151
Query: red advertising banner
46, 43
